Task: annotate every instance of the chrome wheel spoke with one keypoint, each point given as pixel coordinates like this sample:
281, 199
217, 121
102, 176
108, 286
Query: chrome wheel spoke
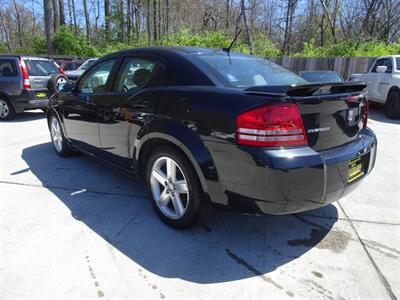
181, 187
178, 206
159, 176
171, 169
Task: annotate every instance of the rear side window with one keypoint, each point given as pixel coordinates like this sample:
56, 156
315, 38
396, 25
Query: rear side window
8, 68
136, 73
38, 67
398, 63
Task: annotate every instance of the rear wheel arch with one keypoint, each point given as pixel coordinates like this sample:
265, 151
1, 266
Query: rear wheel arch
155, 140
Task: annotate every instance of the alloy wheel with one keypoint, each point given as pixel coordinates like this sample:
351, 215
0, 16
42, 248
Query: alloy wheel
169, 187
4, 109
56, 134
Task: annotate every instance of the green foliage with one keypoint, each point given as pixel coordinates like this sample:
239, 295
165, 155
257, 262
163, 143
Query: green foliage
207, 39
349, 48
66, 42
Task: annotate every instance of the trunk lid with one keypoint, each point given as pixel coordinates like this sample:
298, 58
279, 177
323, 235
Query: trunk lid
333, 114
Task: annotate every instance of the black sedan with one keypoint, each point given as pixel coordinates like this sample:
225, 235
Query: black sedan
206, 127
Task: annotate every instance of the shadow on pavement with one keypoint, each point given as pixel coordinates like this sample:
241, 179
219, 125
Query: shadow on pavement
227, 247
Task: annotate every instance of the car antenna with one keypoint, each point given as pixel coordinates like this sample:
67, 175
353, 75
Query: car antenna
228, 50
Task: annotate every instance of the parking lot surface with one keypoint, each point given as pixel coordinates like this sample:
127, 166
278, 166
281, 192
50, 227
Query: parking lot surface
74, 228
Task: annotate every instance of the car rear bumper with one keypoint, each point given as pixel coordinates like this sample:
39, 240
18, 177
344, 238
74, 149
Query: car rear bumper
29, 100
283, 181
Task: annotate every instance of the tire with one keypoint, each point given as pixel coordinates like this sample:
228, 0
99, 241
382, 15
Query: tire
54, 82
58, 140
192, 201
392, 105
7, 111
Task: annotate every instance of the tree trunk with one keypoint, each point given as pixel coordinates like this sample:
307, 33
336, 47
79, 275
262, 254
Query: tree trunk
122, 21
246, 26
148, 23
227, 13
155, 20
107, 19
87, 20
129, 20
48, 24
74, 15
56, 15
62, 13
19, 25
70, 13
7, 36
166, 16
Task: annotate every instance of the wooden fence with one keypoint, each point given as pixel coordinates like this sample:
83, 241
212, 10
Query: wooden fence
343, 65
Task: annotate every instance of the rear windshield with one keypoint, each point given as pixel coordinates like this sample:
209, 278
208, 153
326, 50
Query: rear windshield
244, 71
8, 67
38, 67
321, 77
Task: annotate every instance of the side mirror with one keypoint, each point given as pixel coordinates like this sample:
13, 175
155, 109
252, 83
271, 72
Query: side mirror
65, 87
381, 69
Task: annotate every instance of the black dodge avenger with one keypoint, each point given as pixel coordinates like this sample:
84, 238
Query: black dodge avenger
205, 127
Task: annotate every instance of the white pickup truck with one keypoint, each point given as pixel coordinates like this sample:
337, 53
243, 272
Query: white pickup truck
383, 81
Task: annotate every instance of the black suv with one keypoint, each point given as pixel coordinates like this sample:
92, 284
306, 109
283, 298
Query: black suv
26, 83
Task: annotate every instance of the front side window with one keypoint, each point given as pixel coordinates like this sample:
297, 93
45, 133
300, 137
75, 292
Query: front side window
242, 71
95, 81
383, 62
8, 67
136, 73
39, 67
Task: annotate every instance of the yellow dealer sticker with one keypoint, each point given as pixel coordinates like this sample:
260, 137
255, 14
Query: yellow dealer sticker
41, 94
355, 169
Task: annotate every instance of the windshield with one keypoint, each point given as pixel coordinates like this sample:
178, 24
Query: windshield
243, 71
321, 77
38, 67
87, 64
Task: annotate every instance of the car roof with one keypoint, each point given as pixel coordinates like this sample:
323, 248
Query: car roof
181, 51
24, 56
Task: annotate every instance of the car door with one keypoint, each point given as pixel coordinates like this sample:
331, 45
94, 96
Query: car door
130, 105
382, 83
371, 80
80, 107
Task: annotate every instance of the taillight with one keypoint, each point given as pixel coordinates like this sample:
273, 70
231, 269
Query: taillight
59, 69
272, 125
365, 113
25, 77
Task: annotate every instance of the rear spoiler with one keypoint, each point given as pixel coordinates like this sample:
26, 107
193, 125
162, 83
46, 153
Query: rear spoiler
307, 89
